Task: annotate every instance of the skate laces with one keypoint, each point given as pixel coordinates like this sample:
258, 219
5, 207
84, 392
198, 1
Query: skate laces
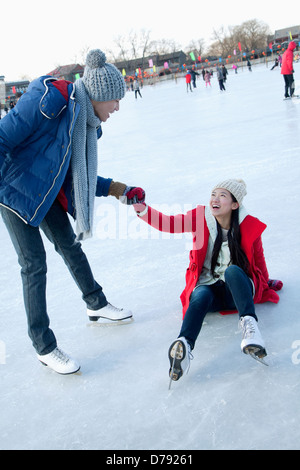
190, 353
248, 327
60, 356
114, 309
190, 356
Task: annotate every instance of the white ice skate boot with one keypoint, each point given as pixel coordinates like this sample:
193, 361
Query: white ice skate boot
109, 312
252, 342
60, 362
179, 357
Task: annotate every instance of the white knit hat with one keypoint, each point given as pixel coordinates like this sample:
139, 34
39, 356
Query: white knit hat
236, 187
103, 82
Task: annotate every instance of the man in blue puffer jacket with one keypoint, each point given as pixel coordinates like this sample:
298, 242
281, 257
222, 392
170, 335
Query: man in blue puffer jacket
48, 168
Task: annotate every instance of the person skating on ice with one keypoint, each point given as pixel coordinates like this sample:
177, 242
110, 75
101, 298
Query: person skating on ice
287, 70
48, 170
227, 269
220, 78
188, 80
136, 88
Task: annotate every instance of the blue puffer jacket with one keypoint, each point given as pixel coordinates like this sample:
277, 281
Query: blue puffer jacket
35, 151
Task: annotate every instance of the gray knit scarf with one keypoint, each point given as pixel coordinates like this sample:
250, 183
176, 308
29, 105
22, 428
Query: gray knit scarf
84, 162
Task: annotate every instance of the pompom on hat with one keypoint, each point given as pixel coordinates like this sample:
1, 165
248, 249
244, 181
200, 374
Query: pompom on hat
103, 81
235, 186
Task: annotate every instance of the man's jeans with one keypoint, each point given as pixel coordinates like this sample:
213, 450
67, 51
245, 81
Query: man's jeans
236, 293
29, 246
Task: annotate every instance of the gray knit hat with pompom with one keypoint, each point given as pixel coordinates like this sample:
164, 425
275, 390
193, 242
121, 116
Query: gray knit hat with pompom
103, 82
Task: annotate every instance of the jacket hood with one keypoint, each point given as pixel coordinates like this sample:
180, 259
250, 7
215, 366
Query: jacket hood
292, 46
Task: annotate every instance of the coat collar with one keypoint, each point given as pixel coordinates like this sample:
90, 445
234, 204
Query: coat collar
251, 227
212, 223
53, 101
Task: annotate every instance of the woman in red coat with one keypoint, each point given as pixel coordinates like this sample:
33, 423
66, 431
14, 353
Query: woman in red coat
227, 270
287, 70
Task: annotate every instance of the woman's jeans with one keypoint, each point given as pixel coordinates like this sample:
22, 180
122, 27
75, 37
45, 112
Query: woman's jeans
236, 293
29, 246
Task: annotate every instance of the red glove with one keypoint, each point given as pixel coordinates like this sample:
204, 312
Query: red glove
134, 195
275, 284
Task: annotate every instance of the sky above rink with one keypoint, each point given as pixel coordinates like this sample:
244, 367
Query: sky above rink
38, 36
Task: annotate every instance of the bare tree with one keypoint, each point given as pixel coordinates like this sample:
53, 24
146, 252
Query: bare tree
144, 44
83, 53
145, 41
220, 45
134, 43
197, 46
164, 46
121, 44
252, 34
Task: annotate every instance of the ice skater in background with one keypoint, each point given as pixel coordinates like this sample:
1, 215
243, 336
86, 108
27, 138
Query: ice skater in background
287, 70
227, 269
225, 72
276, 63
207, 78
193, 77
136, 88
220, 78
188, 79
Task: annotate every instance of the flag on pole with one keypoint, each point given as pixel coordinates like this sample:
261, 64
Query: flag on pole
291, 36
150, 63
192, 56
123, 72
77, 75
240, 47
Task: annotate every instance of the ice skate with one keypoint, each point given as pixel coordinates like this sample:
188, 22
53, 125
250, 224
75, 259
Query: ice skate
110, 313
252, 341
179, 357
60, 362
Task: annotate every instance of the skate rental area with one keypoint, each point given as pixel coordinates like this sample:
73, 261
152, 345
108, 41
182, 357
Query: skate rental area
176, 145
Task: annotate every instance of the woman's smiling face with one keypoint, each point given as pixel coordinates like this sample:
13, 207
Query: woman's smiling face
221, 205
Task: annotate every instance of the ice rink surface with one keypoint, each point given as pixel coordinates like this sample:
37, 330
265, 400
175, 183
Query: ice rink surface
176, 145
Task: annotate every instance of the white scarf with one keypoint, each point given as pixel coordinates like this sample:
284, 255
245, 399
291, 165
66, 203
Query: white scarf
84, 162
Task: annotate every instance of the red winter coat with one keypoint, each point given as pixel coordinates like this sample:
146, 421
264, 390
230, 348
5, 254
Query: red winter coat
188, 78
287, 59
194, 221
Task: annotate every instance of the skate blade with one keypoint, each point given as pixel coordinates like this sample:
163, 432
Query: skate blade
76, 372
257, 353
258, 359
104, 322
